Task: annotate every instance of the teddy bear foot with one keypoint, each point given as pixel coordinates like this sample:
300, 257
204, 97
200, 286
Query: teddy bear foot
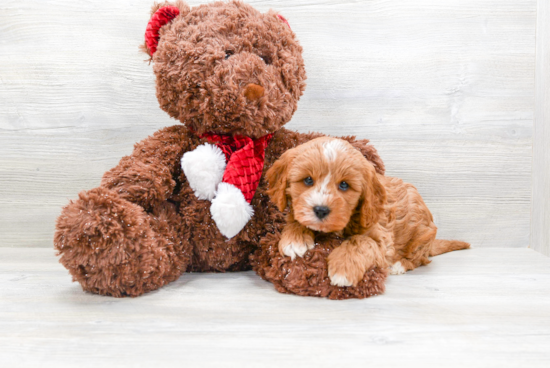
113, 247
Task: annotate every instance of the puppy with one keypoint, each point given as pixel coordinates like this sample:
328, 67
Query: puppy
330, 187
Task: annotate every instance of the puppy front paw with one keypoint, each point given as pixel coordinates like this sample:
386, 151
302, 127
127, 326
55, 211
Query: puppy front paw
293, 245
339, 280
343, 269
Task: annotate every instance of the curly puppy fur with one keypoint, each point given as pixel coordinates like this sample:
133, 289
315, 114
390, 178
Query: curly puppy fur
222, 67
331, 188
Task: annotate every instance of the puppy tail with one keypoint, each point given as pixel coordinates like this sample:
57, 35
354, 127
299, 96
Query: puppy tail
443, 246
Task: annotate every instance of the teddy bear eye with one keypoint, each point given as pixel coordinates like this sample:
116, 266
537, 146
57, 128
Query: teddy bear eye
266, 59
308, 181
228, 53
343, 186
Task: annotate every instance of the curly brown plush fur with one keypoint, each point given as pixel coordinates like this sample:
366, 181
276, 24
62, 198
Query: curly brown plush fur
308, 276
207, 54
143, 226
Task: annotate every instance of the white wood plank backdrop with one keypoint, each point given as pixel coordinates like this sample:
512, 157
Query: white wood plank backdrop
443, 88
540, 210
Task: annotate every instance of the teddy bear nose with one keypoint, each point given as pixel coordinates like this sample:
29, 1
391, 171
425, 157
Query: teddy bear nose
321, 211
253, 92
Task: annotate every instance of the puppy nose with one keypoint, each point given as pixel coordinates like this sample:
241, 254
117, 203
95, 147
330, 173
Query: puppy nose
253, 92
321, 211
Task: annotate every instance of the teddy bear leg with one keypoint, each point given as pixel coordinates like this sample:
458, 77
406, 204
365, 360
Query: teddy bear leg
114, 247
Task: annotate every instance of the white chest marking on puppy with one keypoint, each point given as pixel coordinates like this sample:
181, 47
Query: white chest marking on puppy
332, 148
397, 269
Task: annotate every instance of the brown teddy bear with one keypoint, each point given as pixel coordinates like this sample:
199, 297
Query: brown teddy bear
192, 197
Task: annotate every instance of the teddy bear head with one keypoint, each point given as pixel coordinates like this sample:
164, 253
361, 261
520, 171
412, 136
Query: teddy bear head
224, 67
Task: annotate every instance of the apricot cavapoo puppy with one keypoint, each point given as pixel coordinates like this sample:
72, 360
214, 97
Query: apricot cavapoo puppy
330, 187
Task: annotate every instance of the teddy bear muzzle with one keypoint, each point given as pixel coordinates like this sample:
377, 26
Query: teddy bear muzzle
253, 92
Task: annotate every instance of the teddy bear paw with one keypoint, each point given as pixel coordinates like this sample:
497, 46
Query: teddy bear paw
203, 167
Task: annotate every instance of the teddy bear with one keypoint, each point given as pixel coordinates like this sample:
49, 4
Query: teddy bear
192, 197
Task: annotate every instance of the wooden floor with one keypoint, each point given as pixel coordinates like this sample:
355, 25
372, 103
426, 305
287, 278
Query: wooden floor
475, 308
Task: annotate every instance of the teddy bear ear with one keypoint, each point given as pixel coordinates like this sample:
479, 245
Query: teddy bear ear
283, 19
161, 14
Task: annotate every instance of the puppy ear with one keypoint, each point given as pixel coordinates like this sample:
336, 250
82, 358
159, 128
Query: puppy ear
277, 178
373, 198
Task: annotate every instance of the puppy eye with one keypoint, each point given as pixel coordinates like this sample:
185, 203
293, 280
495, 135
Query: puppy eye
228, 53
308, 181
343, 186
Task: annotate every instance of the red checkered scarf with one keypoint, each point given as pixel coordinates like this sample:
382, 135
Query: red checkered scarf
245, 160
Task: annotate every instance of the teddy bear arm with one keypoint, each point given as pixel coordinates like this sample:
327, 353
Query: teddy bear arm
147, 176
